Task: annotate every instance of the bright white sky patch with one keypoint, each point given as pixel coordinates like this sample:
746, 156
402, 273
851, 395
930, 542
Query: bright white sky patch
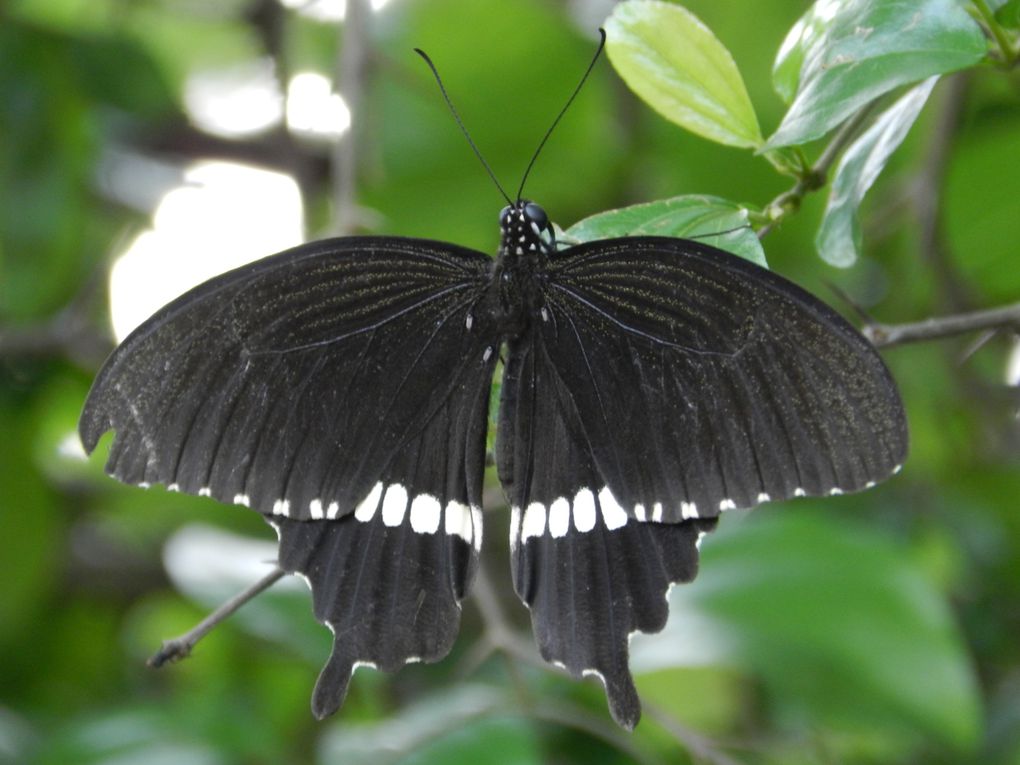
313, 109
208, 563
325, 10
237, 101
223, 216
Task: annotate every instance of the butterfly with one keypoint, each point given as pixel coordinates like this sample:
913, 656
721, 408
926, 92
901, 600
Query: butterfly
341, 389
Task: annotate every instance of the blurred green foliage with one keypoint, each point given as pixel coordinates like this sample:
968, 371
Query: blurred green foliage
878, 628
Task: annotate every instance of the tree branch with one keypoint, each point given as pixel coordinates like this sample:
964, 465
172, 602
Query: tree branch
350, 78
886, 335
180, 647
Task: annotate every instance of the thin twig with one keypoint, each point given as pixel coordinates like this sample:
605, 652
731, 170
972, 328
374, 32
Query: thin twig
498, 632
70, 332
885, 335
179, 647
1008, 53
594, 726
699, 746
816, 177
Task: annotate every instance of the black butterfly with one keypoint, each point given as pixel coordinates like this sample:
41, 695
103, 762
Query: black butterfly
341, 389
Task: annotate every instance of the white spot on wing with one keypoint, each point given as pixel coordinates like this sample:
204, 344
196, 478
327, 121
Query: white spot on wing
799, 492
639, 512
657, 512
534, 521
365, 510
469, 321
763, 497
281, 507
727, 504
613, 514
426, 512
315, 509
835, 492
584, 510
242, 499
476, 527
359, 664
205, 491
515, 527
394, 505
690, 510
144, 484
458, 520
869, 485
559, 517
487, 354
333, 510
545, 313
173, 487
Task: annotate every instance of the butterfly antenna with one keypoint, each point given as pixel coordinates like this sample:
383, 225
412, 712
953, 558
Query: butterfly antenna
460, 123
584, 77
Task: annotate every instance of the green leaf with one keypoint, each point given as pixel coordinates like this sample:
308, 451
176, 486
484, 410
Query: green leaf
839, 238
711, 220
462, 724
803, 36
834, 615
1009, 14
675, 63
853, 51
980, 209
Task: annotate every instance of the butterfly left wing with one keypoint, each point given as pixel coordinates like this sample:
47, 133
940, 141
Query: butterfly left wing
340, 390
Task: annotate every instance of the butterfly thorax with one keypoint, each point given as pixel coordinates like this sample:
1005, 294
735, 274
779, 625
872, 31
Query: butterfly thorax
526, 241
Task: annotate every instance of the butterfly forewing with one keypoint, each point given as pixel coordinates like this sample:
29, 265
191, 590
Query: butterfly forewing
288, 385
708, 383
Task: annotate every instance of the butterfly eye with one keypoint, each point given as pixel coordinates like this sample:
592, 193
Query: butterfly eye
535, 214
503, 214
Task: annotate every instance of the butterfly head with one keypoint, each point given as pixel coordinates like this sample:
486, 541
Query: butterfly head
526, 230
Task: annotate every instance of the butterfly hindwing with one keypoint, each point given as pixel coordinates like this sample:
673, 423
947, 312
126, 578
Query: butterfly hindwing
590, 575
388, 579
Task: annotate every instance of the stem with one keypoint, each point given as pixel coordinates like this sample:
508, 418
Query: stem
886, 335
179, 647
815, 177
1009, 55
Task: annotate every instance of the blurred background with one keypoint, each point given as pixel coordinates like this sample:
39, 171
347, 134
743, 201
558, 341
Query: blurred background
148, 144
